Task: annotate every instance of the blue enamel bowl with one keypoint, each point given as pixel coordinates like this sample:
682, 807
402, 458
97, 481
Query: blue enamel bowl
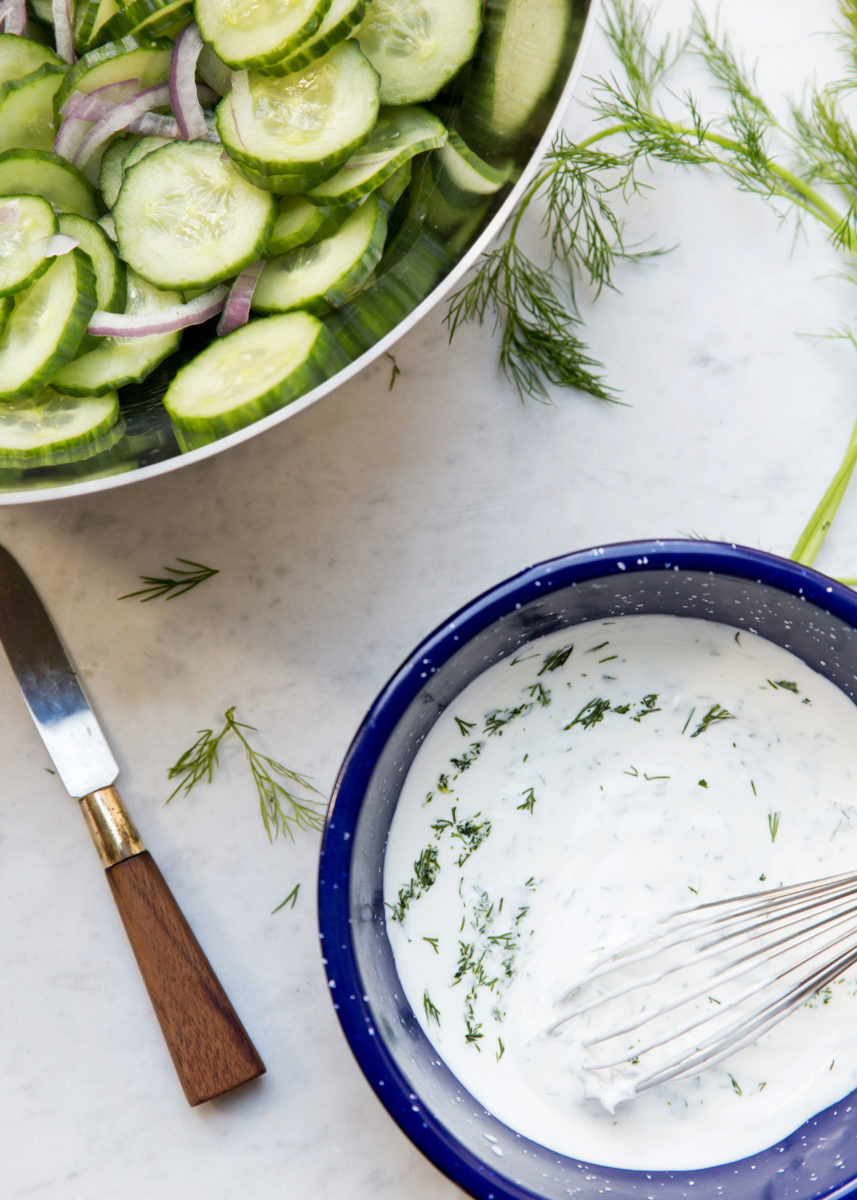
795, 607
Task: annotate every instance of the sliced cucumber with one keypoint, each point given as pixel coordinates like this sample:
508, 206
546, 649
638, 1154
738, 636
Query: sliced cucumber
146, 19
398, 135
110, 281
253, 371
339, 21
46, 326
391, 189
41, 173
212, 71
88, 21
119, 156
297, 221
297, 129
252, 33
7, 304
51, 427
110, 167
21, 56
523, 47
391, 296
465, 179
126, 58
118, 361
416, 46
25, 222
27, 119
185, 218
326, 274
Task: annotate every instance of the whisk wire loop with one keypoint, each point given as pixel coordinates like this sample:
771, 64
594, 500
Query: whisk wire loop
775, 950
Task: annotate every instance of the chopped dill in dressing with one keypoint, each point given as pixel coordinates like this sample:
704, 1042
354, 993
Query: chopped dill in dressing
559, 810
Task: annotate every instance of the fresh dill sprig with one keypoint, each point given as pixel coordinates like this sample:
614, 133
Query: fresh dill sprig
716, 713
291, 899
176, 582
804, 166
431, 1010
774, 824
284, 809
536, 318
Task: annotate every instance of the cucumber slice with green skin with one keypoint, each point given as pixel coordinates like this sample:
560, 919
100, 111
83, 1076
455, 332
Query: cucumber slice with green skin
212, 71
146, 19
299, 128
27, 120
253, 371
41, 173
391, 189
297, 221
117, 361
416, 46
398, 135
88, 20
324, 223
391, 296
119, 156
110, 167
21, 56
463, 178
185, 218
523, 47
339, 21
24, 222
252, 33
56, 428
46, 325
325, 274
7, 304
126, 58
110, 280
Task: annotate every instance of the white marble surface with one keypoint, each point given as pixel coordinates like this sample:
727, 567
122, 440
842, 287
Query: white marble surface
342, 537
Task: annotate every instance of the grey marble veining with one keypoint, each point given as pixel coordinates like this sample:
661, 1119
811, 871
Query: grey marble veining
342, 537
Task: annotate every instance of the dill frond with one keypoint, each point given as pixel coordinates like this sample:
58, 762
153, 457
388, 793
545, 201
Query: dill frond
284, 809
176, 582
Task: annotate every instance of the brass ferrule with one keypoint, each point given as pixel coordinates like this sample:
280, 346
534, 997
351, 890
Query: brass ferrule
112, 829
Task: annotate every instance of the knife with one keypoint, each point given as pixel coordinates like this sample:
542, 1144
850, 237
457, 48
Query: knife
210, 1048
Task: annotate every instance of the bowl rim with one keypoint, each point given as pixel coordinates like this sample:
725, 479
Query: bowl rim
435, 296
426, 1132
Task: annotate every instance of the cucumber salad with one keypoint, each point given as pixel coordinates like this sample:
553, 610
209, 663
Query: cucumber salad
249, 192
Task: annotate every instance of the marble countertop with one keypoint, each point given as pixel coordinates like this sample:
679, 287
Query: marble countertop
342, 537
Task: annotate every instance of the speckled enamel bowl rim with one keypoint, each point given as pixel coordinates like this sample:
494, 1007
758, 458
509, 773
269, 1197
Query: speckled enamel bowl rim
428, 1133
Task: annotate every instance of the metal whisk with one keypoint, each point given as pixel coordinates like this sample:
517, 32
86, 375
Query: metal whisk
764, 954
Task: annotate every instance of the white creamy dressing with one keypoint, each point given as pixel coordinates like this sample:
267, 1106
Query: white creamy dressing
561, 804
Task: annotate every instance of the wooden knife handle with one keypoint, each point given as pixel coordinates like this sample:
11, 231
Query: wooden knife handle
209, 1046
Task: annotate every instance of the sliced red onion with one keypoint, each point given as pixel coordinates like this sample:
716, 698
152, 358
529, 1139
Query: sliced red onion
167, 127
52, 247
13, 17
164, 320
92, 106
236, 310
69, 137
63, 35
183, 94
119, 118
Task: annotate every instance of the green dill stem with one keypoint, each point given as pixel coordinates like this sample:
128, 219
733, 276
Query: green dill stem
795, 189
811, 539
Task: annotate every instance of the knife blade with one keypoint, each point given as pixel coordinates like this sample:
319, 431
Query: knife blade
211, 1051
